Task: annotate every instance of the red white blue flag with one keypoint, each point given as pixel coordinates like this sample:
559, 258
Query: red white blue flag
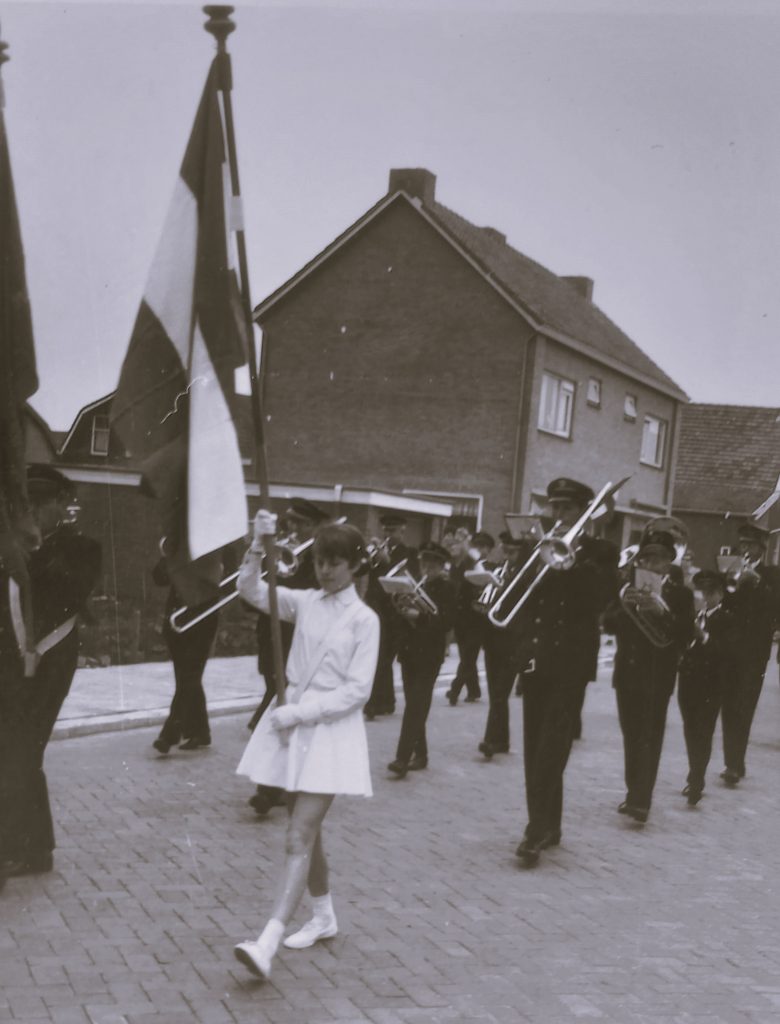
173, 404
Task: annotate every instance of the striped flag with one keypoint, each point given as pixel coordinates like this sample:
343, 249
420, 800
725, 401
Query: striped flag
172, 408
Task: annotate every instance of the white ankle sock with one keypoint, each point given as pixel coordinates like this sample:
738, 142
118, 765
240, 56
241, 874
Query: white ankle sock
323, 907
271, 935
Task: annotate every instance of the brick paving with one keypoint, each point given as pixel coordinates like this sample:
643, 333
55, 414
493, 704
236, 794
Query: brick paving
161, 867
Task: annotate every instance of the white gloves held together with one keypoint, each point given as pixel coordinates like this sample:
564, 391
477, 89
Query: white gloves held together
286, 717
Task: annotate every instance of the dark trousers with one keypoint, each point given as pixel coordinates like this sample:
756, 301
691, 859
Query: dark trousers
501, 671
419, 678
740, 697
642, 705
700, 700
382, 699
29, 709
469, 641
550, 706
188, 717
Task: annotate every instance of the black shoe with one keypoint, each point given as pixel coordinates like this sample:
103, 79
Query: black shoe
195, 743
693, 794
487, 749
161, 746
550, 839
730, 777
399, 768
260, 803
452, 698
369, 714
40, 864
528, 851
418, 763
639, 814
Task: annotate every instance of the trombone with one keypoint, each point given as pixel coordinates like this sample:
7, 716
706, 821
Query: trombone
555, 551
288, 561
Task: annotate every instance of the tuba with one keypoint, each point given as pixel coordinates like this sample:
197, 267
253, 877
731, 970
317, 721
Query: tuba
556, 550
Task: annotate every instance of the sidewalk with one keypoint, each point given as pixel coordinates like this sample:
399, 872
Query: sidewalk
132, 696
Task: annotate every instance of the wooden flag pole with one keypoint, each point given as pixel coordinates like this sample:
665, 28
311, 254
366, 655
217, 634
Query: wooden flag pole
220, 26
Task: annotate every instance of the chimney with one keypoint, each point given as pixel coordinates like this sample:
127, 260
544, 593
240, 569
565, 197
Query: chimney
415, 181
495, 235
583, 285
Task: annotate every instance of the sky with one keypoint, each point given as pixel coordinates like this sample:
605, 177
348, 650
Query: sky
635, 142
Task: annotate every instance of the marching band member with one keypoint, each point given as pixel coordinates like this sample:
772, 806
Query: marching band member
559, 640
644, 673
314, 746
302, 519
705, 667
63, 572
388, 553
467, 623
187, 723
501, 658
755, 605
421, 650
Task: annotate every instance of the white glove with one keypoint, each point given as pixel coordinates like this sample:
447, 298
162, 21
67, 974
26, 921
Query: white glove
264, 525
286, 717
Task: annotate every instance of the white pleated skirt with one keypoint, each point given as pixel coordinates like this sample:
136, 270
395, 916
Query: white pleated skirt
329, 757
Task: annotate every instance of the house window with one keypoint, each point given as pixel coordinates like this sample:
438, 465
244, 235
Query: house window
594, 392
653, 442
100, 434
629, 408
555, 407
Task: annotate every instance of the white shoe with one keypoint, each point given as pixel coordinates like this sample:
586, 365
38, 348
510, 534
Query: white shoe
312, 931
255, 956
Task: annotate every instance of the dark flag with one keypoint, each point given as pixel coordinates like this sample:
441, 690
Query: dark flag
18, 379
172, 408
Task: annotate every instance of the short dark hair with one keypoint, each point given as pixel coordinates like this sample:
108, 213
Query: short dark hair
340, 540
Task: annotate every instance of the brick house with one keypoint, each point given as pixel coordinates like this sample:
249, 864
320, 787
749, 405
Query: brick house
420, 353
728, 470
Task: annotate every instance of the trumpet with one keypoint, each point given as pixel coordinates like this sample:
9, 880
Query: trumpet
742, 574
407, 593
490, 589
554, 551
377, 552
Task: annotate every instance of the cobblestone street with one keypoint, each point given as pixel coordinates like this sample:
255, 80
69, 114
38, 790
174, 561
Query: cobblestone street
161, 867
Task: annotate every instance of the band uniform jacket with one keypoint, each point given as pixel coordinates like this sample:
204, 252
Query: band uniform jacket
637, 659
426, 637
756, 610
558, 630
708, 661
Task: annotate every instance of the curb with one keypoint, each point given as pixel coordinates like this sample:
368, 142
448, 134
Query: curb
125, 720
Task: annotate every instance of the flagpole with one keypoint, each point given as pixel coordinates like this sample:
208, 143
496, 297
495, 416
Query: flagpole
220, 26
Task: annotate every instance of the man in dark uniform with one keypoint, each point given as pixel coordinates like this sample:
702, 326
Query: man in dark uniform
389, 554
645, 671
421, 649
558, 632
63, 571
501, 651
187, 724
303, 519
468, 623
706, 665
755, 605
